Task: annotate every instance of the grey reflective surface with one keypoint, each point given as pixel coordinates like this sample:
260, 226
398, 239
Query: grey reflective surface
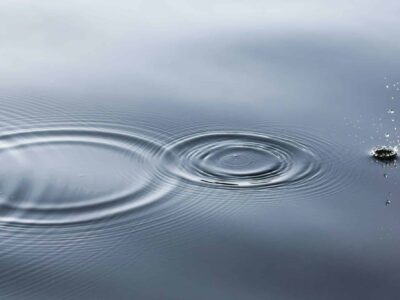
198, 150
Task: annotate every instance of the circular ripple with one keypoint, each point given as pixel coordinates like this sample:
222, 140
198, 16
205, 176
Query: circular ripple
63, 176
246, 160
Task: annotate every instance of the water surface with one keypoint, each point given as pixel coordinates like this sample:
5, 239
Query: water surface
198, 150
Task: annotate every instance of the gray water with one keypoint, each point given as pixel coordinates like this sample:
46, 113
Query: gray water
199, 150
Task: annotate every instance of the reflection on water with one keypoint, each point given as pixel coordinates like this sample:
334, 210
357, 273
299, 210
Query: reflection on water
198, 150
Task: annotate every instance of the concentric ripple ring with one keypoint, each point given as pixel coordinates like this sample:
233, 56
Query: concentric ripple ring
242, 160
71, 175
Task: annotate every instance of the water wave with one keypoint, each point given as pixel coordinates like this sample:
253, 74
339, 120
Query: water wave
70, 175
248, 160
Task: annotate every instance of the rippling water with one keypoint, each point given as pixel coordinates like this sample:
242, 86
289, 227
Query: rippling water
198, 150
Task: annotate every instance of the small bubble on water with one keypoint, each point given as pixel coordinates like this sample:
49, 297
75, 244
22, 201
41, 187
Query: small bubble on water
390, 111
387, 135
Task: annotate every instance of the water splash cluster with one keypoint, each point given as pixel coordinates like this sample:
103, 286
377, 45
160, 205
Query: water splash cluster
391, 135
384, 153
387, 154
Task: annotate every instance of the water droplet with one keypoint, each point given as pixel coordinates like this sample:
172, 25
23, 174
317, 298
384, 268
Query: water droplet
387, 86
390, 111
387, 135
388, 202
384, 153
385, 175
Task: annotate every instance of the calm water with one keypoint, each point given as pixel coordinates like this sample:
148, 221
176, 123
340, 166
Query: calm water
199, 150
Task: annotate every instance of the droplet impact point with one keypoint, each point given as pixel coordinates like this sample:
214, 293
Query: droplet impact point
384, 153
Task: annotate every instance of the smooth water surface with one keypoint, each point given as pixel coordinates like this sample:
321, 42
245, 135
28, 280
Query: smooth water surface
199, 150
